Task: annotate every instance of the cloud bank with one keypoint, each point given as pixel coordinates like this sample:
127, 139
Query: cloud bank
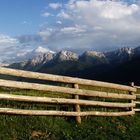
93, 24
6, 41
80, 25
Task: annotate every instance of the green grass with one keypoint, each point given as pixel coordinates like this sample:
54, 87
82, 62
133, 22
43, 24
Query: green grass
58, 128
64, 128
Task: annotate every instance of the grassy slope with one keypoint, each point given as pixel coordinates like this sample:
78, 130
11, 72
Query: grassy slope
55, 128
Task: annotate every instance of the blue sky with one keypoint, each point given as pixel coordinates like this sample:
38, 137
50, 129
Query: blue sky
71, 24
21, 16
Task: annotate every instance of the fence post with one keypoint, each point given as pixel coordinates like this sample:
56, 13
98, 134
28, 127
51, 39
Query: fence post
132, 93
77, 107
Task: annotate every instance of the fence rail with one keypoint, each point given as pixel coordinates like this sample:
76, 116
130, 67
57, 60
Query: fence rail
63, 101
61, 113
137, 102
66, 90
128, 97
64, 79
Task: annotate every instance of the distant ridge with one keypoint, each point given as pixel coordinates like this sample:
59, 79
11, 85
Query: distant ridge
121, 65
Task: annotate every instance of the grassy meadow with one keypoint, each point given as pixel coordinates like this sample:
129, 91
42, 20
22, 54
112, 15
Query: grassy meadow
63, 128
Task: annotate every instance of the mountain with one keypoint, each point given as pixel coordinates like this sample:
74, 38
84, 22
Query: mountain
93, 57
136, 52
87, 59
126, 72
119, 66
41, 50
34, 63
49, 62
119, 56
66, 56
21, 53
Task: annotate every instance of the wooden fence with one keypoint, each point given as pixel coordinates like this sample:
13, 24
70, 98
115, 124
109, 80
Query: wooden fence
137, 101
127, 105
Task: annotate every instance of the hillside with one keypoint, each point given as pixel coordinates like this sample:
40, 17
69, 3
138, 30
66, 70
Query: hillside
128, 71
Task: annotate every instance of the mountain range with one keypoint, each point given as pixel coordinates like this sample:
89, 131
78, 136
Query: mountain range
120, 66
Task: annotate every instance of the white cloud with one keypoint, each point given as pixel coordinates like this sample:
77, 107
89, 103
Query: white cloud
117, 10
63, 15
55, 5
95, 24
59, 22
71, 30
47, 33
46, 14
7, 41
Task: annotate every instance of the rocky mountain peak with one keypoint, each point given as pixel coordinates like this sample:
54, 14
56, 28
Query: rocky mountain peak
42, 59
126, 50
94, 54
66, 56
120, 55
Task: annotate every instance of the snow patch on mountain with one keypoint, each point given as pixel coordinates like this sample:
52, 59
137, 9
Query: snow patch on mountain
15, 54
66, 56
40, 49
94, 54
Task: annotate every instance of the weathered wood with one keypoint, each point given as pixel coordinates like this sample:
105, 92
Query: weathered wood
65, 79
137, 96
136, 109
137, 102
137, 87
132, 93
97, 113
61, 113
63, 101
77, 106
132, 85
66, 90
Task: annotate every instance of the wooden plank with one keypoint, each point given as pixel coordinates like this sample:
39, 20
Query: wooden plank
137, 102
136, 109
137, 87
61, 113
132, 93
137, 96
77, 106
63, 101
65, 79
66, 90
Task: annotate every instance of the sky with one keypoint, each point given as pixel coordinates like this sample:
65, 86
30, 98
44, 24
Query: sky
76, 25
